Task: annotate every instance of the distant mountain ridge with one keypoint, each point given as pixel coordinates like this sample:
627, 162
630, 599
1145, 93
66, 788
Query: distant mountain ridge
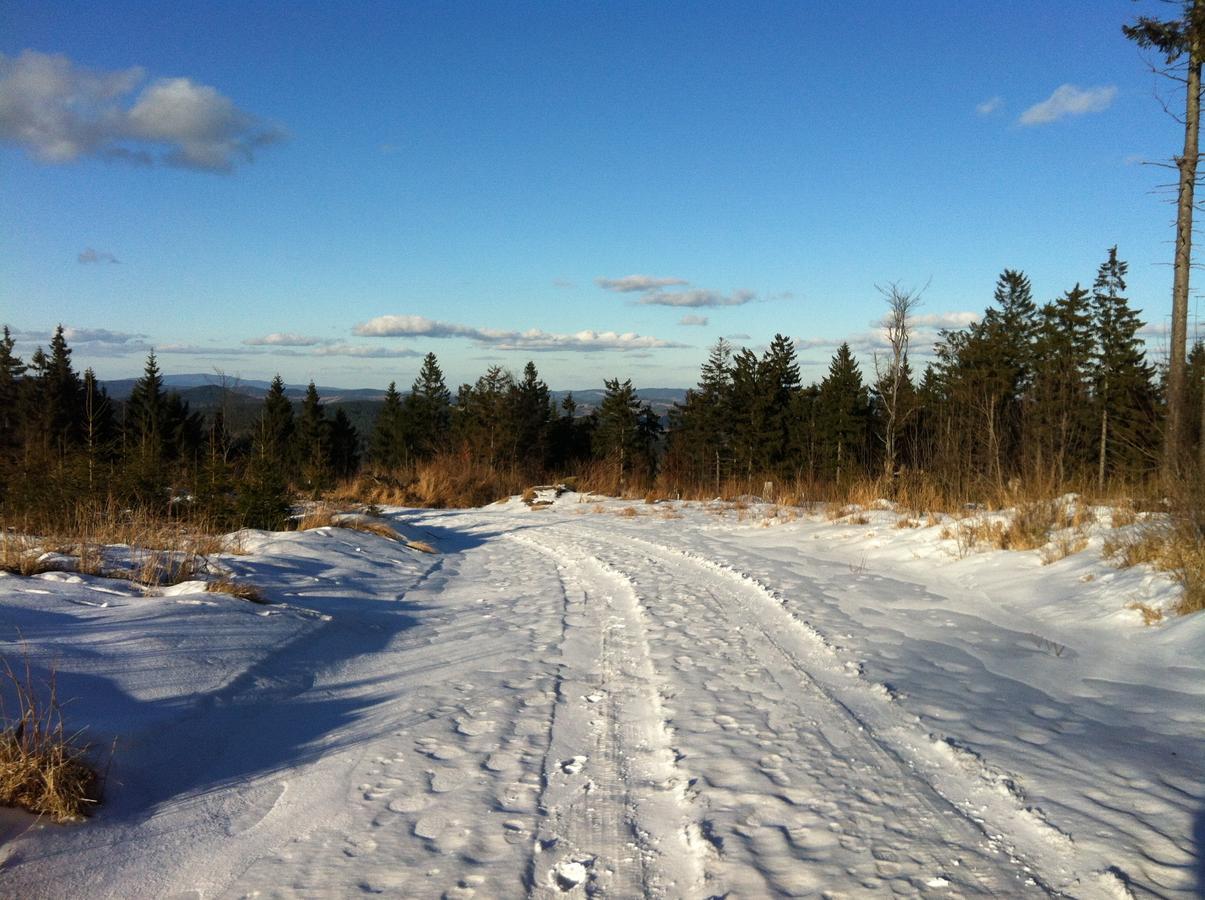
205, 389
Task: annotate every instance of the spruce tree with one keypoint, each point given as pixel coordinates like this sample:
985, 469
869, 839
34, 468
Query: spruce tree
429, 409
1062, 357
745, 410
844, 413
145, 413
388, 445
344, 445
483, 420
531, 411
274, 433
778, 382
313, 442
617, 439
11, 371
60, 393
1122, 393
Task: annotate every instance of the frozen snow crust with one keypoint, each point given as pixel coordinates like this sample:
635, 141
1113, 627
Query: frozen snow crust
600, 698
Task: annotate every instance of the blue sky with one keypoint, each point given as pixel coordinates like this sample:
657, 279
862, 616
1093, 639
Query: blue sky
331, 190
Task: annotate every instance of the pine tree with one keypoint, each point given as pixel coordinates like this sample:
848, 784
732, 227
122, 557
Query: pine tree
1063, 355
745, 404
700, 426
145, 413
61, 394
844, 413
344, 445
531, 411
778, 382
99, 425
428, 409
11, 371
274, 437
483, 421
1123, 398
617, 439
388, 446
313, 442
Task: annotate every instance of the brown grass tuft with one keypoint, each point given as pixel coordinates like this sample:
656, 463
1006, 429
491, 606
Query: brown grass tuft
628, 512
42, 768
421, 546
227, 585
1150, 615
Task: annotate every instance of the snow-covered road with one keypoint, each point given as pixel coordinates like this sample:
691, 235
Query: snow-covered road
584, 700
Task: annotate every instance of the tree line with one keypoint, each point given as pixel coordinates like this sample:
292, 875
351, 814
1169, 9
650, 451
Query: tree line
1057, 395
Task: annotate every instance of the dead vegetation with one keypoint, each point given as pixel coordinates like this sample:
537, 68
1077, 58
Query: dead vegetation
240, 589
43, 768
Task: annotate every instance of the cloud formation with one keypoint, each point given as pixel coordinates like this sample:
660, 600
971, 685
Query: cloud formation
693, 320
1069, 100
279, 339
532, 340
60, 112
989, 106
90, 255
697, 298
636, 284
653, 292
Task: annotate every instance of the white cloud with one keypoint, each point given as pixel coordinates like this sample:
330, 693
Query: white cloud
563, 283
101, 336
693, 320
90, 255
1069, 100
532, 340
278, 339
91, 340
630, 284
697, 298
60, 112
360, 351
989, 106
945, 320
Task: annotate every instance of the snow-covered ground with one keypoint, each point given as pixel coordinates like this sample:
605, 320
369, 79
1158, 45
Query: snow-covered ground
670, 700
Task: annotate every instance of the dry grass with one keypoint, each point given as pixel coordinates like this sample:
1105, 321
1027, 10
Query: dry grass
1145, 546
42, 768
1150, 615
449, 480
1031, 525
1175, 546
1124, 514
421, 546
906, 522
155, 550
628, 512
1063, 546
328, 516
227, 585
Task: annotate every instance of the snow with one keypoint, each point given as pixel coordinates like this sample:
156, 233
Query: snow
573, 700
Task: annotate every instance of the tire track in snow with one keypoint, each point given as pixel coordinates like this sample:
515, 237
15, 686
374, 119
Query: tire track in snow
758, 651
617, 822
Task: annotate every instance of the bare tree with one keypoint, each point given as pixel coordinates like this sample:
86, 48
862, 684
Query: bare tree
897, 326
1181, 41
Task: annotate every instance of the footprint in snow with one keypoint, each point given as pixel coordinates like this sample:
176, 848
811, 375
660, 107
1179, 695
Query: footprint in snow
573, 766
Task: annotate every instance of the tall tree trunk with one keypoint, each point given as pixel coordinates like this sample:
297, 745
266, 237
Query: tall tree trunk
1104, 437
1176, 375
